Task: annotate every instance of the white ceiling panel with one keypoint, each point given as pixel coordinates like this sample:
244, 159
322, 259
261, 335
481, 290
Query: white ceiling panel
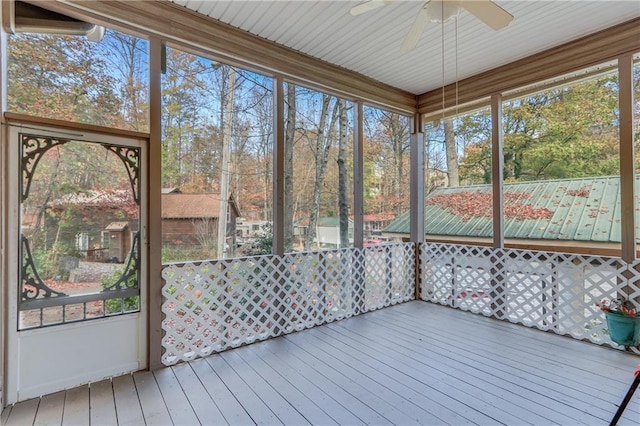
370, 43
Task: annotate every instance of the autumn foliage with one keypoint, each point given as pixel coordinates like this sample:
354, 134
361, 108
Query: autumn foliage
472, 204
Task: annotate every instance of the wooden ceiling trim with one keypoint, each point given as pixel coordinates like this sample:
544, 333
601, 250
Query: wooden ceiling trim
570, 57
183, 27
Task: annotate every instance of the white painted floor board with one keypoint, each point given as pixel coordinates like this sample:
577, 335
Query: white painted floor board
50, 409
76, 406
127, 402
177, 403
102, 405
153, 406
414, 363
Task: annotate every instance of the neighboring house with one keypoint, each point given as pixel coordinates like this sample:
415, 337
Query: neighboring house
375, 222
98, 225
104, 223
247, 229
191, 220
327, 232
565, 213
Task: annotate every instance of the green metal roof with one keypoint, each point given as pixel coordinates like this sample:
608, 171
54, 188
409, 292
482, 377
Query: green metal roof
585, 209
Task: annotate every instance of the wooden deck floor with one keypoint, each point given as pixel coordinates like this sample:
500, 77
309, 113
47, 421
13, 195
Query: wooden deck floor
415, 363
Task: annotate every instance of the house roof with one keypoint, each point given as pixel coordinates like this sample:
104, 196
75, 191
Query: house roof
324, 221
94, 198
193, 206
171, 190
330, 221
117, 226
378, 217
585, 209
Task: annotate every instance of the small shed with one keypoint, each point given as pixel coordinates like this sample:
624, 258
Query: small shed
191, 220
118, 241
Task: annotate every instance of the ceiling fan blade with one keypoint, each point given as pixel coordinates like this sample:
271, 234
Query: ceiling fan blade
367, 6
488, 12
416, 30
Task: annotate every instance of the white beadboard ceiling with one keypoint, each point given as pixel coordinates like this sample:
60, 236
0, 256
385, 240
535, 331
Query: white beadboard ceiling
370, 43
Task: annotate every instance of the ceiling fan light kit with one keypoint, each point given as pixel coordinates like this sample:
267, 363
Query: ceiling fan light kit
441, 11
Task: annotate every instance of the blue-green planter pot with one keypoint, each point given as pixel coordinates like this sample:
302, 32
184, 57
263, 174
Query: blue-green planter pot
623, 329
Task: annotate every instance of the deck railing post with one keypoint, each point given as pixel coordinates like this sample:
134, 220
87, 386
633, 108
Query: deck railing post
417, 194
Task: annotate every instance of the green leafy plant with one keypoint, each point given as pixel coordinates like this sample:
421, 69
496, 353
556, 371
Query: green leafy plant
120, 304
262, 244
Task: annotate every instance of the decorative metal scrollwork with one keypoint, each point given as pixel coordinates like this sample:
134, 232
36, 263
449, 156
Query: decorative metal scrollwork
33, 148
129, 277
32, 285
131, 159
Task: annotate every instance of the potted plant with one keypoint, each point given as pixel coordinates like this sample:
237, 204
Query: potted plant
622, 320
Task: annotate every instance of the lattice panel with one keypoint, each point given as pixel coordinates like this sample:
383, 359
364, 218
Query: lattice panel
549, 291
216, 305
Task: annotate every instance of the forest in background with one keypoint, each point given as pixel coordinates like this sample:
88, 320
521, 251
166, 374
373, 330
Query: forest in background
209, 107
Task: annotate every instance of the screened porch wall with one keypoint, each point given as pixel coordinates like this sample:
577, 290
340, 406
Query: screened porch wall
212, 306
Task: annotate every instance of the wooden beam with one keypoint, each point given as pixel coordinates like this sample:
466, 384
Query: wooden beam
627, 158
183, 27
69, 125
594, 49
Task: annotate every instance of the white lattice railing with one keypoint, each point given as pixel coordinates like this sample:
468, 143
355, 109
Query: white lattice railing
211, 306
546, 290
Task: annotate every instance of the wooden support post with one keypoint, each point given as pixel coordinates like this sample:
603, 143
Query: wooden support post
359, 256
154, 225
627, 173
627, 159
497, 176
417, 196
497, 171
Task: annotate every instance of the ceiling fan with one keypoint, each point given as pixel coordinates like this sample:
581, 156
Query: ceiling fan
440, 11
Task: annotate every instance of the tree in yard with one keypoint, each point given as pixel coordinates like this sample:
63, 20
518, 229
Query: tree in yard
183, 125
321, 141
227, 101
61, 77
452, 152
564, 132
343, 203
386, 161
126, 57
289, 141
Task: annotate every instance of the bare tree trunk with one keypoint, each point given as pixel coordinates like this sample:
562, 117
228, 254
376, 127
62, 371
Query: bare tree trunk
343, 205
290, 132
452, 153
224, 169
322, 149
